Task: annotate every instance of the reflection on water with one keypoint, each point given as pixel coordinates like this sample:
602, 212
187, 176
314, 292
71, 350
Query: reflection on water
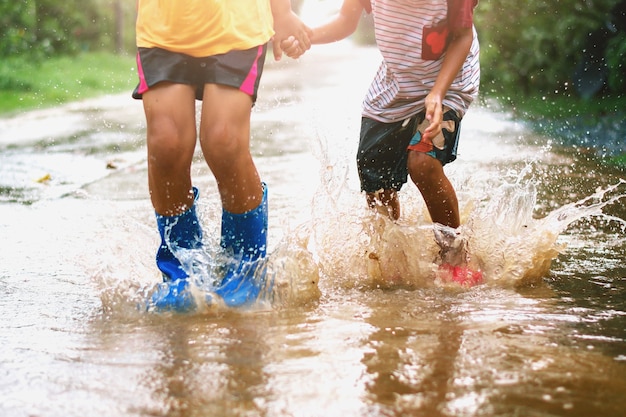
346, 334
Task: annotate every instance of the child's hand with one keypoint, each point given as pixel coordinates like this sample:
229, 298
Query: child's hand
289, 25
291, 47
434, 114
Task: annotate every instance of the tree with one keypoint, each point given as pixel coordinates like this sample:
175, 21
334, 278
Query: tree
536, 45
47, 27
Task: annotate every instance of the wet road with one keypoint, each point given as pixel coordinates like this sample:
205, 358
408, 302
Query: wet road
347, 334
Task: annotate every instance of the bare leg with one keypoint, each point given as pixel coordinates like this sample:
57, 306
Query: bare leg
427, 173
386, 202
171, 140
443, 206
225, 140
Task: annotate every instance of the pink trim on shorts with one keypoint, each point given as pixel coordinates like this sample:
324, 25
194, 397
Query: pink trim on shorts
248, 84
143, 85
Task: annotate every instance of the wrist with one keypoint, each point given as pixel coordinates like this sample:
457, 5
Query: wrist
280, 8
436, 95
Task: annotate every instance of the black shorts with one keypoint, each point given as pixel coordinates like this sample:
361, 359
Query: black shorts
238, 69
383, 148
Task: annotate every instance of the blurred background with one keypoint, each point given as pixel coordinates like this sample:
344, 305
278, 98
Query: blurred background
561, 61
566, 46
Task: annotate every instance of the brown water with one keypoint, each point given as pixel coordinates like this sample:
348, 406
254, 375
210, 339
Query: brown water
343, 334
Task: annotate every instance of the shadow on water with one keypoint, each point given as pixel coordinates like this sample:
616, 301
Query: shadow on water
360, 323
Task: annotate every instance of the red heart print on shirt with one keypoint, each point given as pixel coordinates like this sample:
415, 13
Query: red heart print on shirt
434, 41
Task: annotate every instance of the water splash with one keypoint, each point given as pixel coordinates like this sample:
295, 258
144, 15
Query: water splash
526, 253
357, 247
290, 274
345, 244
295, 273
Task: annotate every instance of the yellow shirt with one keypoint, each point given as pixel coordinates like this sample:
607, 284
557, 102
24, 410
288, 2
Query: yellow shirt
203, 27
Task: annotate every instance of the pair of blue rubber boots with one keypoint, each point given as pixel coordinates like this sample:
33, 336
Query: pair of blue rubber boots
243, 237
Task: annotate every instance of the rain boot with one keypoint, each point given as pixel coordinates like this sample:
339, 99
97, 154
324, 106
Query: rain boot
182, 231
246, 236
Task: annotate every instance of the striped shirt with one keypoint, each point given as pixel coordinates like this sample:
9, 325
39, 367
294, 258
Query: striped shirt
405, 31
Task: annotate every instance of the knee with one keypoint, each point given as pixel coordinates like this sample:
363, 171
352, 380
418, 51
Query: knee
223, 143
423, 168
169, 146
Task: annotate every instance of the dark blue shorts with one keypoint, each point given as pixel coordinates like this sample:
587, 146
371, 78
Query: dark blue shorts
238, 69
383, 148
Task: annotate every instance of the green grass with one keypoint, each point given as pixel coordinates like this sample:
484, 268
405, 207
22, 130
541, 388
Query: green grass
26, 85
618, 161
555, 109
558, 107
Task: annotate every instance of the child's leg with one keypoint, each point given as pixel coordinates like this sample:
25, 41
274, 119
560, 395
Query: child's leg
382, 163
425, 165
426, 158
439, 195
171, 140
386, 202
225, 140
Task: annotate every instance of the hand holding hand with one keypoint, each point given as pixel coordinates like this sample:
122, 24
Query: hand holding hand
290, 30
291, 47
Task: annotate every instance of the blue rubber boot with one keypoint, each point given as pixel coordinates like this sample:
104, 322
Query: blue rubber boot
246, 235
182, 231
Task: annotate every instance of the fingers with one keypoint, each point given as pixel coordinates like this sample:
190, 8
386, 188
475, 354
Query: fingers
296, 45
291, 47
434, 114
305, 38
292, 36
277, 49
